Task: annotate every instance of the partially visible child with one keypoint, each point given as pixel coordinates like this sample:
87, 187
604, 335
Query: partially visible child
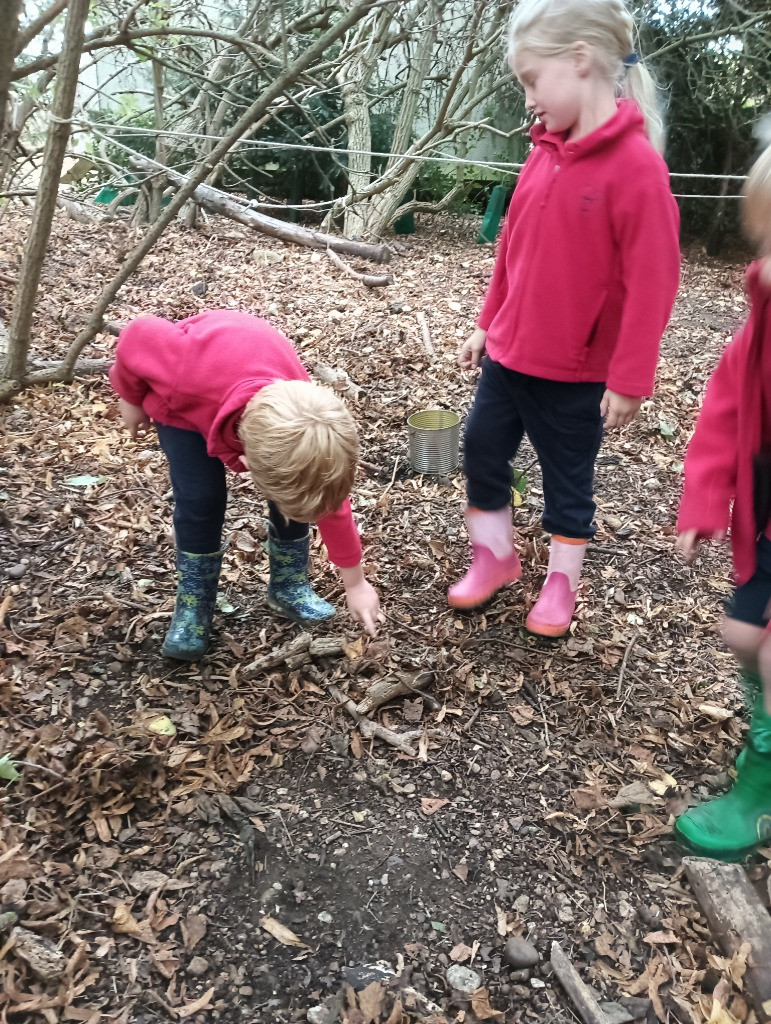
226, 389
586, 275
728, 481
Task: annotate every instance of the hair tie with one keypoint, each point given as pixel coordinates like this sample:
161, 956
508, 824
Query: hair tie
631, 60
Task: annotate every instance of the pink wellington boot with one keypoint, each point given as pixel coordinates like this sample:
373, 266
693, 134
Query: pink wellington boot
552, 613
494, 560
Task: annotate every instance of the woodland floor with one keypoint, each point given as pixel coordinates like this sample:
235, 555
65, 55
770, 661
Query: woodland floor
548, 774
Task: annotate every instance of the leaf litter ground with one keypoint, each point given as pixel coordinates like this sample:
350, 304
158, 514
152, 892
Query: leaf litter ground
268, 858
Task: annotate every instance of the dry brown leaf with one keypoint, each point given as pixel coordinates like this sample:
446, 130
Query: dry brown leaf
193, 930
661, 938
280, 931
481, 1006
357, 747
198, 1004
589, 798
461, 871
431, 805
371, 1001
460, 953
396, 1016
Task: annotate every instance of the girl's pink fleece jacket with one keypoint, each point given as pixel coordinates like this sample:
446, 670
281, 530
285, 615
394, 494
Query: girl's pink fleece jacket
589, 260
730, 431
199, 373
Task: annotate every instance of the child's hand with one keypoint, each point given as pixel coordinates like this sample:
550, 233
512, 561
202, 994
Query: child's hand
472, 350
133, 416
618, 410
364, 605
689, 542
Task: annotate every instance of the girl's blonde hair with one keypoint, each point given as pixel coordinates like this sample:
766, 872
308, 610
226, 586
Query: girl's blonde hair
756, 208
550, 27
301, 445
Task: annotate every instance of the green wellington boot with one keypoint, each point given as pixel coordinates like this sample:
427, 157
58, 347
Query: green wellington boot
197, 576
289, 592
734, 825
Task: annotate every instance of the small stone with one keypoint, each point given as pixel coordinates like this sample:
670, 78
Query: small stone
16, 571
616, 1014
359, 977
325, 917
520, 954
246, 990
198, 966
463, 979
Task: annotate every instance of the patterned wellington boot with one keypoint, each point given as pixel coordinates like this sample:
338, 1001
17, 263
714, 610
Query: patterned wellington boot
732, 826
494, 560
552, 613
289, 592
198, 576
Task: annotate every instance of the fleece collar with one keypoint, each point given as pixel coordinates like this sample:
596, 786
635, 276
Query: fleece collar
625, 121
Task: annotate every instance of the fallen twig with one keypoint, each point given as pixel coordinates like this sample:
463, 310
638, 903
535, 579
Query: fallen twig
395, 684
428, 345
625, 659
581, 995
373, 730
298, 651
370, 280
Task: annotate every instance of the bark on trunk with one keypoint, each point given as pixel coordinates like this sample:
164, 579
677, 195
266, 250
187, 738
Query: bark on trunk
47, 193
8, 35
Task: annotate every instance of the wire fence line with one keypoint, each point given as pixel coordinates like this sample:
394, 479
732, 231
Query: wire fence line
247, 144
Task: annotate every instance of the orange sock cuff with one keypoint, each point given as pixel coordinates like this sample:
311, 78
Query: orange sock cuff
569, 540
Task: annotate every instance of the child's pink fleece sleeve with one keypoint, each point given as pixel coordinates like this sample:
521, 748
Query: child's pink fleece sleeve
145, 359
339, 533
711, 458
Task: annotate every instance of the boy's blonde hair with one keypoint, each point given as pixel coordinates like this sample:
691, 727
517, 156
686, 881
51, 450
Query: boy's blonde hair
756, 208
550, 27
301, 445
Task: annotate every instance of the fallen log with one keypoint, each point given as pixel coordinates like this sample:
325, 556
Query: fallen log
219, 202
736, 917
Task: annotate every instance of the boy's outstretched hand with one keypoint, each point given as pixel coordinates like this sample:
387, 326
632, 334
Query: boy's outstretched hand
362, 599
618, 410
133, 416
364, 605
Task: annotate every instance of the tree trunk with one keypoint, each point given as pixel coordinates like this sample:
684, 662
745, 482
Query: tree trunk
353, 78
47, 193
10, 17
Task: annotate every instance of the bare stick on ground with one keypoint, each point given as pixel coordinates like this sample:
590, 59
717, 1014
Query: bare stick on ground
581, 996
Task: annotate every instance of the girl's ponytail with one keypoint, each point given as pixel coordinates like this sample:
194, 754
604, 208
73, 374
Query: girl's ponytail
638, 84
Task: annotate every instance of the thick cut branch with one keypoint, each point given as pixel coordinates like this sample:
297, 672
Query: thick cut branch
218, 202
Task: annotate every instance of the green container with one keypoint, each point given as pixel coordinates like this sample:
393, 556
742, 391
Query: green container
493, 214
405, 225
108, 194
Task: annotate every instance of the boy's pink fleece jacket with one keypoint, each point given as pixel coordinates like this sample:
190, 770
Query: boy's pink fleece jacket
198, 374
